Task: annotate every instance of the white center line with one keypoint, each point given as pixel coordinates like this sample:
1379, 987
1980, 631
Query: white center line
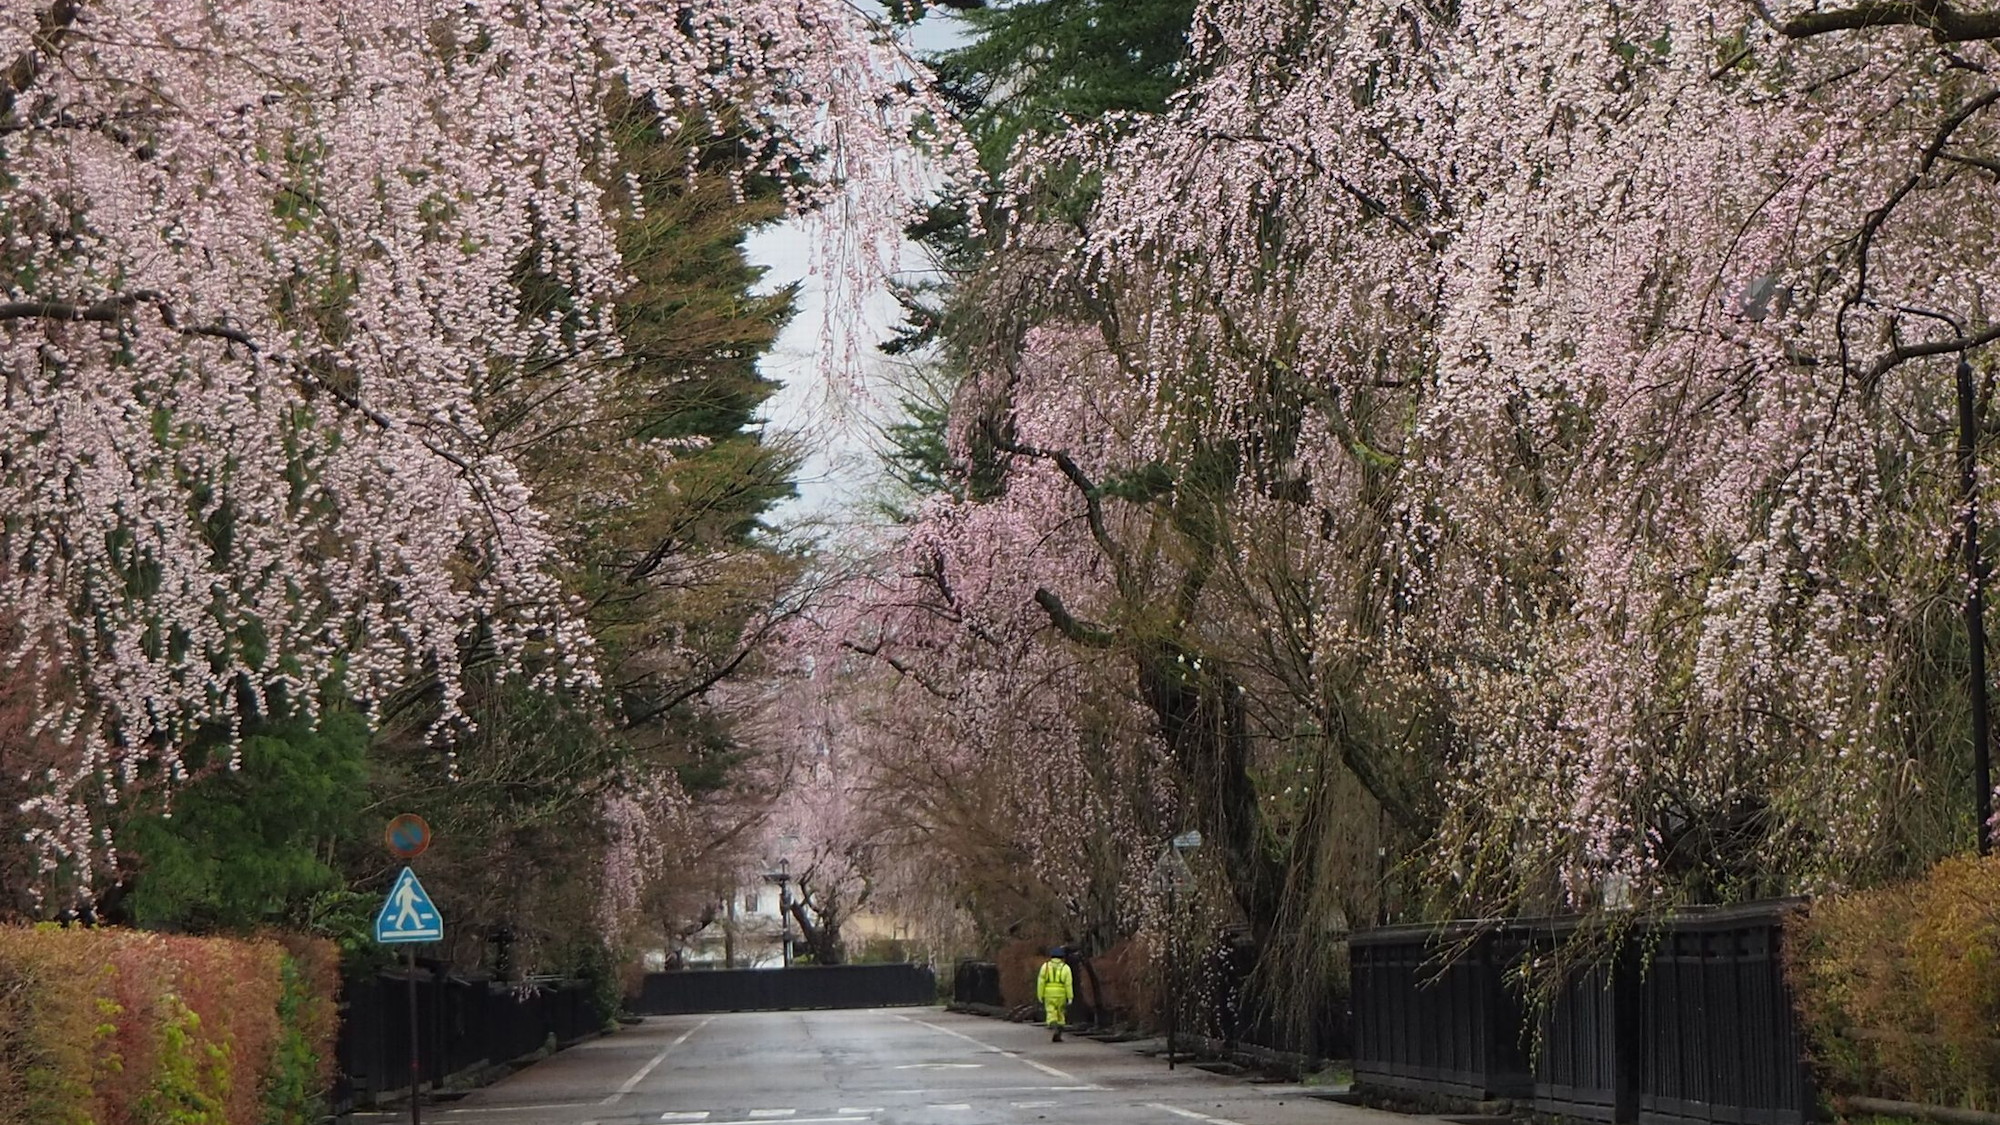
685, 1115
772, 1114
632, 1083
951, 1105
1052, 1072
1191, 1114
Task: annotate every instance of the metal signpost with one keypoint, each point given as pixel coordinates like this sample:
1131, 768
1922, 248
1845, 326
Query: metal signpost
408, 916
1172, 875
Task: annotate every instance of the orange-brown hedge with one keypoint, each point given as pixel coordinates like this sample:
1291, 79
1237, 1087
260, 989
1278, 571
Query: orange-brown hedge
1899, 987
118, 1027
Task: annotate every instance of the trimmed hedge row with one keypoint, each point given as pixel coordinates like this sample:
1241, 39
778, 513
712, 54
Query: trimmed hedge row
1899, 987
120, 1027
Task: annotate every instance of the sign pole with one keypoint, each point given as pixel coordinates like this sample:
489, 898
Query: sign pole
416, 1072
1171, 870
1173, 974
408, 915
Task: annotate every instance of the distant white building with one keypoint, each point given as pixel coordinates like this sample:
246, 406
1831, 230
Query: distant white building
748, 932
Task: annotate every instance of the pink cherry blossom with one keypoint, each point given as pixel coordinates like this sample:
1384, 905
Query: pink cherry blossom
266, 282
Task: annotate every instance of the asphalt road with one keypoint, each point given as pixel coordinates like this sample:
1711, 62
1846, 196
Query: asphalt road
901, 1066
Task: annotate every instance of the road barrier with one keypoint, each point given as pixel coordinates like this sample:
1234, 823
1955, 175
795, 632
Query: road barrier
1685, 1020
465, 1026
777, 990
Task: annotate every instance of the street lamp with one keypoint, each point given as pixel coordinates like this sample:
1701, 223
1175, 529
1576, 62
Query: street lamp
1975, 601
783, 877
1975, 583
1756, 305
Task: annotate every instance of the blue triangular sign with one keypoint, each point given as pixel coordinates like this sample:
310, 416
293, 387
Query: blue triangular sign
408, 913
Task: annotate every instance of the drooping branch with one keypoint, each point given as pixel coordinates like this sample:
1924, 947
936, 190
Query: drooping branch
751, 644
902, 668
1873, 224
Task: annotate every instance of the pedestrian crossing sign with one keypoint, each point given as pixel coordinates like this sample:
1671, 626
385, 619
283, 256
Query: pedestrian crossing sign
408, 913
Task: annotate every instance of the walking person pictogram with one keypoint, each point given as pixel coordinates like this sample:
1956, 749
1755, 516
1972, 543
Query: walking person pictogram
408, 914
407, 917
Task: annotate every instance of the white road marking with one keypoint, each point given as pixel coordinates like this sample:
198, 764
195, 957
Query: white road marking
940, 1066
951, 1105
859, 1109
1052, 1072
795, 1119
685, 1115
771, 1114
1191, 1114
483, 1110
632, 1083
1007, 1090
1034, 1105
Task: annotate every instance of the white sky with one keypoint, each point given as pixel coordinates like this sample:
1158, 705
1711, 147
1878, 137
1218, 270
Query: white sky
841, 466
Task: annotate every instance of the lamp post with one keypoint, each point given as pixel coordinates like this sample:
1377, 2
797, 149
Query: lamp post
783, 877
1975, 601
1975, 586
1171, 875
1974, 574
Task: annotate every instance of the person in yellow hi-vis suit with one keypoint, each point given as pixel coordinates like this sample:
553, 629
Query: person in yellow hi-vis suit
1054, 987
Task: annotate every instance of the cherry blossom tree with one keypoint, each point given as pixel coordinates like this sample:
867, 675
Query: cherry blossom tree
1546, 411
276, 275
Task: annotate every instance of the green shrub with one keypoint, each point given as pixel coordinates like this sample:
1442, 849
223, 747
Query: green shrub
1899, 987
118, 1027
302, 1064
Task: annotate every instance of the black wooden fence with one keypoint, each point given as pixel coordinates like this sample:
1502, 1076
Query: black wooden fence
976, 982
463, 1025
1685, 1021
799, 987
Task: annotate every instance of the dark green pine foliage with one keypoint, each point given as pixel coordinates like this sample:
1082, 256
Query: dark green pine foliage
1033, 63
1031, 66
694, 329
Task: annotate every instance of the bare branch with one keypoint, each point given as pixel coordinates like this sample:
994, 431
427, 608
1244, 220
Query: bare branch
1067, 623
1945, 23
1093, 500
1904, 352
114, 309
1984, 162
